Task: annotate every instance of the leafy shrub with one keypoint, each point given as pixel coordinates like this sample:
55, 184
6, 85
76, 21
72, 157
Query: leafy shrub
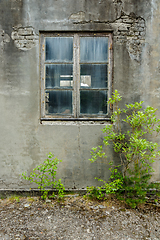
44, 175
129, 134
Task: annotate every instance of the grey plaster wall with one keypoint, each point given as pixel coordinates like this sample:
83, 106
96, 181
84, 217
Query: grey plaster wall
24, 141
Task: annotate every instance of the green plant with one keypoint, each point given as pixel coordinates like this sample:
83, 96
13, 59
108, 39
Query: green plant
129, 133
106, 188
14, 198
44, 175
156, 200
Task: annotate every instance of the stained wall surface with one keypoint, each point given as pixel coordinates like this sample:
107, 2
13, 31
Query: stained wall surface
24, 140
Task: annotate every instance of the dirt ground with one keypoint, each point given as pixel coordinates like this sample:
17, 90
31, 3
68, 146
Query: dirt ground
77, 218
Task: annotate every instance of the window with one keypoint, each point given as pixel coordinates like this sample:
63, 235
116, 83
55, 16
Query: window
76, 75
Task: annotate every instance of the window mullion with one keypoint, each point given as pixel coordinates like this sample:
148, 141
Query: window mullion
74, 78
76, 56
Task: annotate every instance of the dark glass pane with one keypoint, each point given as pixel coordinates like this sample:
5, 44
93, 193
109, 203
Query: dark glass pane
59, 49
59, 102
94, 49
93, 102
59, 76
94, 75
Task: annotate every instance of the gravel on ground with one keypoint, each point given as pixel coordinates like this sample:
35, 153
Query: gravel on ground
25, 218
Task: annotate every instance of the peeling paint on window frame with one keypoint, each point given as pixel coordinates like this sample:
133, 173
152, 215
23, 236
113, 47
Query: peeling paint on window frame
76, 75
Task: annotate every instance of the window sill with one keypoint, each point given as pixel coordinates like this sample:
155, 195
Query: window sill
74, 121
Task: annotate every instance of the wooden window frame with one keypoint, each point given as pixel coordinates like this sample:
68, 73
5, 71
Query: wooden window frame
76, 116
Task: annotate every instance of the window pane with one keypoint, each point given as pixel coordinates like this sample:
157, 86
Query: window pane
59, 49
59, 76
94, 75
93, 49
93, 102
59, 102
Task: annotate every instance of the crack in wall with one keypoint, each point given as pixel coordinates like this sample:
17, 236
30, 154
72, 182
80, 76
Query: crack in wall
128, 29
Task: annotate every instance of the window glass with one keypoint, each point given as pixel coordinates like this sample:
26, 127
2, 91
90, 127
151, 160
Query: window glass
93, 49
93, 102
94, 75
59, 49
59, 76
58, 102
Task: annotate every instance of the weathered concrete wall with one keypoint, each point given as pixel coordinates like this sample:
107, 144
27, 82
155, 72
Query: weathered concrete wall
24, 142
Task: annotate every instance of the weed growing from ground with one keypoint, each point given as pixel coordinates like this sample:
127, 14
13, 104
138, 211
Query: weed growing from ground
44, 175
14, 198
